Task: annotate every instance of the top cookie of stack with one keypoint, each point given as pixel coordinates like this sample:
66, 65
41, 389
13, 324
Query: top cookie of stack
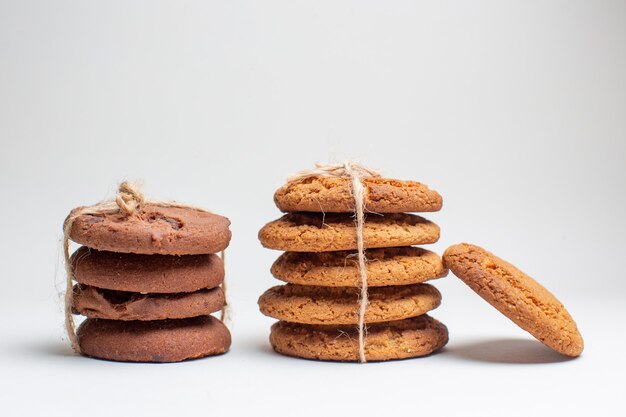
147, 282
319, 236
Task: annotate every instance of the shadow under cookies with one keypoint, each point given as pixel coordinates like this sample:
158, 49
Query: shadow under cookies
505, 351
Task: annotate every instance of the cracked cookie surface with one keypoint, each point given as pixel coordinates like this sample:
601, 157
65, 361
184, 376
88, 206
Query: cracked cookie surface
385, 266
153, 229
402, 339
334, 195
339, 305
118, 305
516, 295
317, 232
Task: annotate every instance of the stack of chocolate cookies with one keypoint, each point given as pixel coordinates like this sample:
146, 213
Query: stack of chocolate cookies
318, 308
147, 283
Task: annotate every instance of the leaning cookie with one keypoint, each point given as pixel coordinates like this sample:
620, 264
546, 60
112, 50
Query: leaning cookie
385, 266
153, 229
402, 339
153, 341
516, 295
119, 305
312, 232
334, 195
339, 305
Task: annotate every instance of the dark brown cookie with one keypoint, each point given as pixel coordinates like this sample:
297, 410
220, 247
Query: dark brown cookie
516, 295
385, 266
340, 305
153, 230
153, 341
334, 195
146, 273
315, 232
409, 338
119, 305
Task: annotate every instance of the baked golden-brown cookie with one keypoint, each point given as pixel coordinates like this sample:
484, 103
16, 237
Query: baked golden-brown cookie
385, 266
153, 341
516, 295
119, 305
339, 305
334, 195
316, 232
152, 230
409, 338
146, 273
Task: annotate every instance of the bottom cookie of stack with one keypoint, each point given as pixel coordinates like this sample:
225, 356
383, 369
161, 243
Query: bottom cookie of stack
169, 340
400, 339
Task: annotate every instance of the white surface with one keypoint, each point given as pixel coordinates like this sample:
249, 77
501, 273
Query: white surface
489, 368
514, 111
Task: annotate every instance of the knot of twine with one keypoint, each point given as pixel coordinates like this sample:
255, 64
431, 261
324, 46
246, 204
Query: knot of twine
127, 200
355, 172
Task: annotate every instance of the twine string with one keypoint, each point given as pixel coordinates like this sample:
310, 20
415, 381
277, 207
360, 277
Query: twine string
129, 198
347, 169
225, 313
127, 201
355, 172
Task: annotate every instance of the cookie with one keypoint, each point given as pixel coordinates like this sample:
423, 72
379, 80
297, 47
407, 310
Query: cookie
153, 341
316, 232
409, 338
118, 305
334, 195
153, 230
385, 266
146, 273
517, 296
340, 305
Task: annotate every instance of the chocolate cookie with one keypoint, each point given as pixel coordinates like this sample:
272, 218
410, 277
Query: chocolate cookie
119, 305
409, 338
153, 230
517, 296
334, 195
339, 305
313, 232
153, 341
386, 266
146, 273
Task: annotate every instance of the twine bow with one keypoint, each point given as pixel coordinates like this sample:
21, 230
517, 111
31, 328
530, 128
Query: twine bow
355, 172
129, 198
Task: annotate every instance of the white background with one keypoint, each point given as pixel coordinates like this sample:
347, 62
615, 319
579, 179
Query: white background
514, 111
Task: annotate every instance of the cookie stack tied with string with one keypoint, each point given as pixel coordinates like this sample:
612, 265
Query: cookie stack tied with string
356, 286
147, 279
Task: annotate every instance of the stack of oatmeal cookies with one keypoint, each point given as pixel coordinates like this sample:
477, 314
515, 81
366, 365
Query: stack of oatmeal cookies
318, 308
